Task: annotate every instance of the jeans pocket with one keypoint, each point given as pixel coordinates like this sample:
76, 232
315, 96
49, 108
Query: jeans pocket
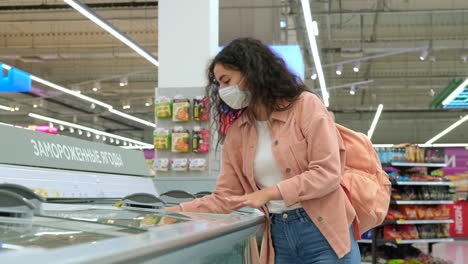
306, 219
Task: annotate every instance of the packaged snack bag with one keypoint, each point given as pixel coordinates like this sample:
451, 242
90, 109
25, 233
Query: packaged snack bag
426, 193
181, 108
197, 164
410, 213
180, 140
390, 232
408, 193
437, 173
408, 231
163, 107
420, 155
411, 152
162, 139
394, 215
395, 261
161, 164
443, 231
445, 212
429, 155
438, 213
421, 212
201, 109
200, 140
396, 194
423, 231
430, 213
179, 164
439, 156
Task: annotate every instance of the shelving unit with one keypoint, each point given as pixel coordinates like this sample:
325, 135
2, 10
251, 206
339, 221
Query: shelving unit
418, 184
418, 222
422, 202
414, 241
414, 164
424, 183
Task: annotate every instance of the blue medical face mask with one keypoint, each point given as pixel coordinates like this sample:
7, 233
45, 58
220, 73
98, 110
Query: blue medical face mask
235, 97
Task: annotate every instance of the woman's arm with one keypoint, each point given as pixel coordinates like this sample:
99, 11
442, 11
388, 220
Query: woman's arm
228, 184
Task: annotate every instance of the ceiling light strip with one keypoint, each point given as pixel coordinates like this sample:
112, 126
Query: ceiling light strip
70, 92
136, 119
455, 92
84, 10
6, 67
86, 98
314, 49
92, 130
447, 130
137, 147
374, 122
424, 145
6, 108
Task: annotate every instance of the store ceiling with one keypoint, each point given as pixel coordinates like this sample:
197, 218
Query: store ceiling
51, 40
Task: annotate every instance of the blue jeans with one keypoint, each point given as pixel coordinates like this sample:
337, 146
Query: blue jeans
296, 239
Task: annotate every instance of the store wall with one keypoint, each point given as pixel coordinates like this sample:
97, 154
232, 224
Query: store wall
188, 38
246, 18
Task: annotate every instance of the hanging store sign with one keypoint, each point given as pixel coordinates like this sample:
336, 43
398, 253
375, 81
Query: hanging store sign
14, 80
21, 146
457, 161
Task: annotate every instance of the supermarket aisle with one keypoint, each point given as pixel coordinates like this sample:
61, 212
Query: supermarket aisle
457, 251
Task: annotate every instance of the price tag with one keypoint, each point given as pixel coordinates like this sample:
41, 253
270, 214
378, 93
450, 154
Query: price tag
403, 221
398, 241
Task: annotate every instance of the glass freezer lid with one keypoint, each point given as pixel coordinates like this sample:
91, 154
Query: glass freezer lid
19, 233
130, 218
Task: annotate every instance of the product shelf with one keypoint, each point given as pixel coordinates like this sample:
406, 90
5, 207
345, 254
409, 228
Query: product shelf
424, 183
418, 222
415, 164
420, 202
403, 165
365, 241
413, 241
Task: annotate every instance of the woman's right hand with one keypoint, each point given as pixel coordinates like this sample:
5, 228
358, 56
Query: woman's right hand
173, 208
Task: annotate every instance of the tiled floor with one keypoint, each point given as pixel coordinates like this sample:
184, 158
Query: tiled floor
457, 251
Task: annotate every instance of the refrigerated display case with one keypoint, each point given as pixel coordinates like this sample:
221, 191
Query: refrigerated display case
80, 223
121, 235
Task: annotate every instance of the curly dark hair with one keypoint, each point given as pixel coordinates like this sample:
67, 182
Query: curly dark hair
266, 76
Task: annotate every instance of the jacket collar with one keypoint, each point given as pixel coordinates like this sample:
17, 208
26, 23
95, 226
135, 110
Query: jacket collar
277, 115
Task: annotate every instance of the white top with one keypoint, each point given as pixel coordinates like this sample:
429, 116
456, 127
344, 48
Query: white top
266, 170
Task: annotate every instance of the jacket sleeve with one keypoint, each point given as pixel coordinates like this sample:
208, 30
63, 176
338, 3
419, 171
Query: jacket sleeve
227, 184
324, 152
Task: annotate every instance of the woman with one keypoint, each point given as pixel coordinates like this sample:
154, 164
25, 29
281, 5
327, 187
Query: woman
281, 154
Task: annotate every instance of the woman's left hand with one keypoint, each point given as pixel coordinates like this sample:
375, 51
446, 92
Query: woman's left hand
256, 199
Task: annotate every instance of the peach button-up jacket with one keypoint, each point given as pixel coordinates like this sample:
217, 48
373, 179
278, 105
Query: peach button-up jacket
310, 155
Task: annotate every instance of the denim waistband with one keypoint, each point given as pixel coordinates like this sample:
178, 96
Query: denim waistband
291, 215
